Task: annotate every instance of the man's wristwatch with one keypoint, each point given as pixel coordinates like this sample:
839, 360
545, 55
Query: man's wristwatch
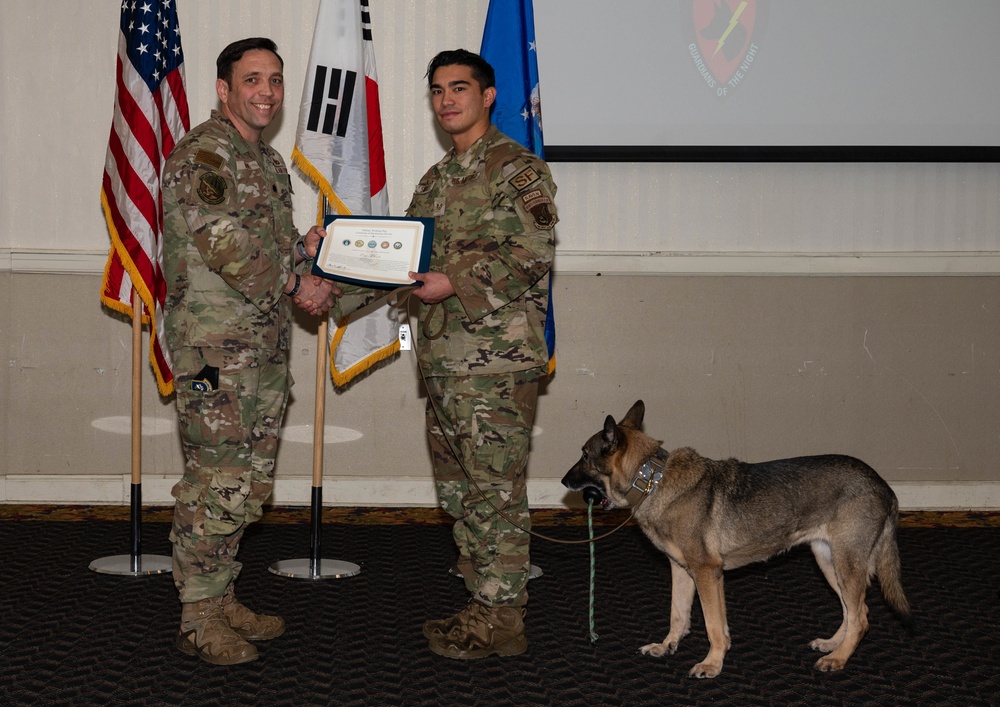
298, 283
300, 248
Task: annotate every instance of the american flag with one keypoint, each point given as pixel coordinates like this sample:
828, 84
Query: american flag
150, 116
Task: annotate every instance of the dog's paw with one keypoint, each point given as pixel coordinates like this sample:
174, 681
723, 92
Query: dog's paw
658, 650
828, 664
705, 670
824, 645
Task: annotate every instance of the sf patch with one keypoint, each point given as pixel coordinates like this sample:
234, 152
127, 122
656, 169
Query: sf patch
539, 205
523, 179
212, 188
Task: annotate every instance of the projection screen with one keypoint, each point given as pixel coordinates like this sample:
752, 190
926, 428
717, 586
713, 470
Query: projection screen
842, 80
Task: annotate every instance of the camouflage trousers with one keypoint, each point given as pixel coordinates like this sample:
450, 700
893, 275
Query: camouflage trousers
230, 439
488, 421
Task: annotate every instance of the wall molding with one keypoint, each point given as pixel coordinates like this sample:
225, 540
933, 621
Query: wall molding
52, 262
402, 492
706, 263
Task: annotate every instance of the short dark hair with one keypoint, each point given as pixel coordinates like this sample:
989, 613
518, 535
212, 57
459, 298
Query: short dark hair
482, 72
235, 51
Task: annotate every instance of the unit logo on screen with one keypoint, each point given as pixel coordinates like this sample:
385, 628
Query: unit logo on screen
723, 46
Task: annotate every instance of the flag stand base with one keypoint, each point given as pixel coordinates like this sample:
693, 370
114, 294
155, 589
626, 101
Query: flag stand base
313, 567
132, 565
135, 564
306, 568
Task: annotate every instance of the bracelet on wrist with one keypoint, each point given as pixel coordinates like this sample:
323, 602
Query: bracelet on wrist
298, 283
300, 248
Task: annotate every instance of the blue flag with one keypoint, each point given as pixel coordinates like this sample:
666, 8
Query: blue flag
509, 47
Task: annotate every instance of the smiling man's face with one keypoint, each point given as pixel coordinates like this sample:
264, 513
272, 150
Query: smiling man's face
256, 94
461, 107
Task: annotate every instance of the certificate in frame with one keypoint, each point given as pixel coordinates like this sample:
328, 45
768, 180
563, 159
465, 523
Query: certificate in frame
374, 251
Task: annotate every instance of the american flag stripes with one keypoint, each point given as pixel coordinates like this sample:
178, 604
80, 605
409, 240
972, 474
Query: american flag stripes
150, 116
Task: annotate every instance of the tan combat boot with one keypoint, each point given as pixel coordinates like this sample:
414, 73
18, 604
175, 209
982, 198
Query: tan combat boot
251, 626
206, 633
440, 627
479, 631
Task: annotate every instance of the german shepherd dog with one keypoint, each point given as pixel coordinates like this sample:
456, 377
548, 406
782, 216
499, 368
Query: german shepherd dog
709, 516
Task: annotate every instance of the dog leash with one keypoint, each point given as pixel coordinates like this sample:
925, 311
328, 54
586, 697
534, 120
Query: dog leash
591, 539
645, 481
590, 495
399, 298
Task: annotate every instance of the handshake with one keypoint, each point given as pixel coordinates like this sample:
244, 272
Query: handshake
312, 294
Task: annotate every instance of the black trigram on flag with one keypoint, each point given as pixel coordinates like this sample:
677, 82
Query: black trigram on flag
333, 91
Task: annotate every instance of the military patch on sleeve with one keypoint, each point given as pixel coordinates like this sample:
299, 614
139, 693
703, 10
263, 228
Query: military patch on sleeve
212, 188
209, 159
523, 179
538, 204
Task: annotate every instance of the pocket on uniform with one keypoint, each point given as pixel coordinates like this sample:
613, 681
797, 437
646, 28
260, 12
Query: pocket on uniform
209, 418
187, 493
225, 503
216, 502
505, 452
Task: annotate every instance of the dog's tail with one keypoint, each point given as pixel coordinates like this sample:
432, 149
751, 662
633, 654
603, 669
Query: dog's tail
888, 570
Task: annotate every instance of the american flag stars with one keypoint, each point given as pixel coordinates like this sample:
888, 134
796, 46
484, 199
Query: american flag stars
153, 35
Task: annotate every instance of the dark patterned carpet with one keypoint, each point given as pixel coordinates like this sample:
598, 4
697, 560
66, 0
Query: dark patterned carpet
71, 636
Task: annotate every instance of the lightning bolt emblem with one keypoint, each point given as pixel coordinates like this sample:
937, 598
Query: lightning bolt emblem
734, 20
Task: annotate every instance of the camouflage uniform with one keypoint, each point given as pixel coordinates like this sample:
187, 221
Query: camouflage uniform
494, 219
228, 243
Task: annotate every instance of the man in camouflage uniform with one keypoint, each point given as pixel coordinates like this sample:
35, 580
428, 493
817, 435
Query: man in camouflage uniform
488, 286
231, 255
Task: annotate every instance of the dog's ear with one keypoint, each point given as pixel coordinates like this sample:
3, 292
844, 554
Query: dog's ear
610, 433
633, 418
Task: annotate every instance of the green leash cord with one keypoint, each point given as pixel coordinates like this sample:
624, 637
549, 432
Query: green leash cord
590, 532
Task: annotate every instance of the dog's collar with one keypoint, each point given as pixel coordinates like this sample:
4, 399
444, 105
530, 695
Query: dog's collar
650, 473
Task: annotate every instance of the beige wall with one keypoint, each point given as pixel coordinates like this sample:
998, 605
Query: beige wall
760, 310
901, 371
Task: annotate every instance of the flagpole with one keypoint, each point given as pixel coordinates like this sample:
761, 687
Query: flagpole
319, 431
313, 567
135, 564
